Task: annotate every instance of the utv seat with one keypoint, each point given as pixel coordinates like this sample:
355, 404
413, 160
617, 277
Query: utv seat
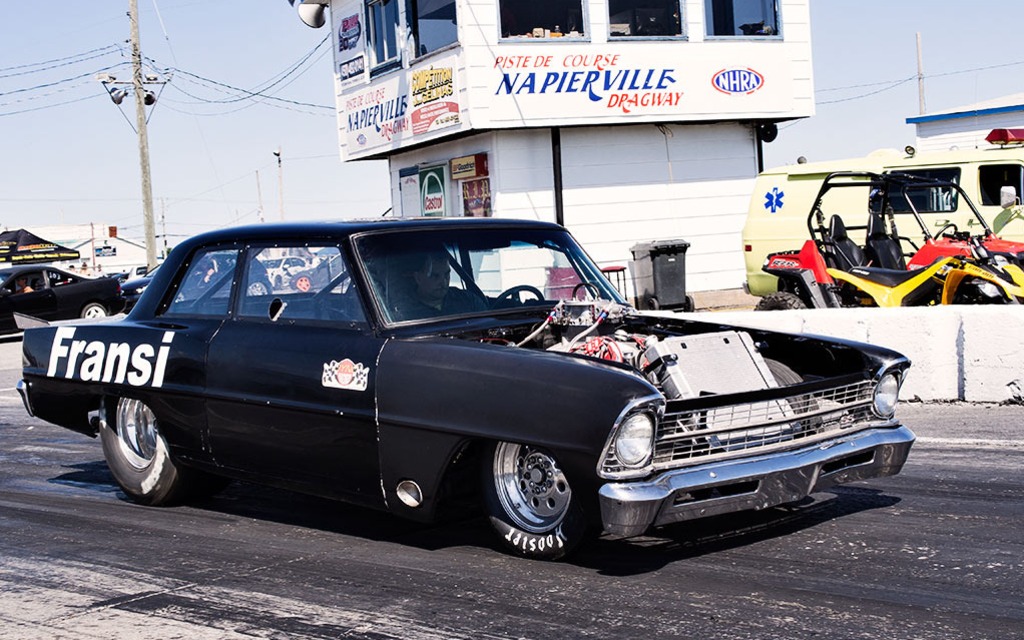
840, 251
882, 250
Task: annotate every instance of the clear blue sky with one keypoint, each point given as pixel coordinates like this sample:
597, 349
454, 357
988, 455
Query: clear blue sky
71, 155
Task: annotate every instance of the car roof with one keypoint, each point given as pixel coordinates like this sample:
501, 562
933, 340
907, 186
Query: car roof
280, 230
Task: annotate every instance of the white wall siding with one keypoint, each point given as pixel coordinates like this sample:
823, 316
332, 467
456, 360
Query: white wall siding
626, 185
964, 133
623, 186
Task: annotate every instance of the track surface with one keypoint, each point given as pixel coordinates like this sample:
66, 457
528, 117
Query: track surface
936, 552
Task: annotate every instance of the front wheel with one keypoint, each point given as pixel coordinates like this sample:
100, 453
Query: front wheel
780, 301
530, 503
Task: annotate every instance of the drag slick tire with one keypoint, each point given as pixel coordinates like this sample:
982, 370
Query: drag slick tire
780, 301
138, 458
530, 503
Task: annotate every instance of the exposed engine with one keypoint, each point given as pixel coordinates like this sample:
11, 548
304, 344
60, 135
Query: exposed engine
679, 366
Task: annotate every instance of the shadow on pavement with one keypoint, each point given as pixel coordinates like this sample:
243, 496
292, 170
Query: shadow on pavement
606, 556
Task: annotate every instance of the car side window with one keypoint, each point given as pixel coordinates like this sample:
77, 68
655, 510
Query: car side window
285, 283
205, 288
56, 278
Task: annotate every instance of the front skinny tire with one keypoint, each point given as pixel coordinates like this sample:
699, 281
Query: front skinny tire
529, 502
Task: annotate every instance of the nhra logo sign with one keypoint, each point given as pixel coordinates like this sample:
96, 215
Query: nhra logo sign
735, 81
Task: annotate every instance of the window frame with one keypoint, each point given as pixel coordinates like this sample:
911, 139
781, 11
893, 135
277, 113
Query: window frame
378, 66
252, 250
414, 26
583, 37
709, 22
682, 35
164, 309
984, 196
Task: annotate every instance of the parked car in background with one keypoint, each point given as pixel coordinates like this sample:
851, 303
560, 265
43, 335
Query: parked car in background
49, 293
281, 271
433, 367
131, 289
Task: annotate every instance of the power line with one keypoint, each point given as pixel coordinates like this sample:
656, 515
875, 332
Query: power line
892, 85
49, 106
59, 82
56, 60
238, 94
927, 76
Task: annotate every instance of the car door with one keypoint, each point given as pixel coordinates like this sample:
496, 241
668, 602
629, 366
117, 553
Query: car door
291, 381
196, 305
40, 302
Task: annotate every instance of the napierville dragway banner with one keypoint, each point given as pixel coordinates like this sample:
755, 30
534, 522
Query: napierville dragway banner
403, 108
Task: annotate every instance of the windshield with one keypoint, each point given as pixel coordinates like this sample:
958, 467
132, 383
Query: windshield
430, 274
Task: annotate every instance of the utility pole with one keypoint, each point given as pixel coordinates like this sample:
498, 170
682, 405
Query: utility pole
163, 224
259, 197
280, 184
140, 119
920, 76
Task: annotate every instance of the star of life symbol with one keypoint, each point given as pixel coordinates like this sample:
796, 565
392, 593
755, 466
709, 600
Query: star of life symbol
345, 374
773, 199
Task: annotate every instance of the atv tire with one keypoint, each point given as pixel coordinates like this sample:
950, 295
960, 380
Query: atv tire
780, 301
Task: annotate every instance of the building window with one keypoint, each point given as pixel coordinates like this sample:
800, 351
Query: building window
741, 17
436, 25
541, 18
382, 31
644, 18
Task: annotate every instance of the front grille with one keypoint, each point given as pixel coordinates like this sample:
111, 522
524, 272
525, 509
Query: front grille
732, 431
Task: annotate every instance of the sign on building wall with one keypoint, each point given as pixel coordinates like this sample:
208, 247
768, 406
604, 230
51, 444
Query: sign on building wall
409, 186
434, 103
401, 109
476, 198
433, 191
349, 43
617, 84
466, 167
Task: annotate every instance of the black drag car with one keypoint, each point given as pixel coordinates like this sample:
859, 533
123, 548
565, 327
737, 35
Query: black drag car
49, 293
432, 367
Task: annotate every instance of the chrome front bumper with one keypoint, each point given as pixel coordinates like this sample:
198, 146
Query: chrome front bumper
630, 508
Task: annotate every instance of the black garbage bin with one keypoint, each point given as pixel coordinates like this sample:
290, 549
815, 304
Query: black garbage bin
659, 275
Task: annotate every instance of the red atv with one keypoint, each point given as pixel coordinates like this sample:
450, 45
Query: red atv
886, 257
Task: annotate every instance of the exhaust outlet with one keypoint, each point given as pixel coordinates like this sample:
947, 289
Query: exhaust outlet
409, 493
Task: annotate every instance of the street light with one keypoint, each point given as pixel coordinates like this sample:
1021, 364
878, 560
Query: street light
311, 12
120, 90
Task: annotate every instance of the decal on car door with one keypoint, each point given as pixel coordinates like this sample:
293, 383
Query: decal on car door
345, 374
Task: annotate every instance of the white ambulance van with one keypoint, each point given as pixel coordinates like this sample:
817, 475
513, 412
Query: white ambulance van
782, 197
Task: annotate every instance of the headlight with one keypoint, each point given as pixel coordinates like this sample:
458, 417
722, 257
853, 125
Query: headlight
635, 440
887, 393
988, 289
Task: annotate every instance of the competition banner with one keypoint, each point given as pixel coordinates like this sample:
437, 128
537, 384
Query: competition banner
434, 97
395, 112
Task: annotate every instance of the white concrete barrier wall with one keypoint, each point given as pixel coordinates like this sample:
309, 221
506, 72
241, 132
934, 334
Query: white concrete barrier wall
966, 353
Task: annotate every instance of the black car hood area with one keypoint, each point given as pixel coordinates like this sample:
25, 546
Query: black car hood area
623, 353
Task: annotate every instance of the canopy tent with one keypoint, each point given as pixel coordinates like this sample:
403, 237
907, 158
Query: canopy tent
21, 247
